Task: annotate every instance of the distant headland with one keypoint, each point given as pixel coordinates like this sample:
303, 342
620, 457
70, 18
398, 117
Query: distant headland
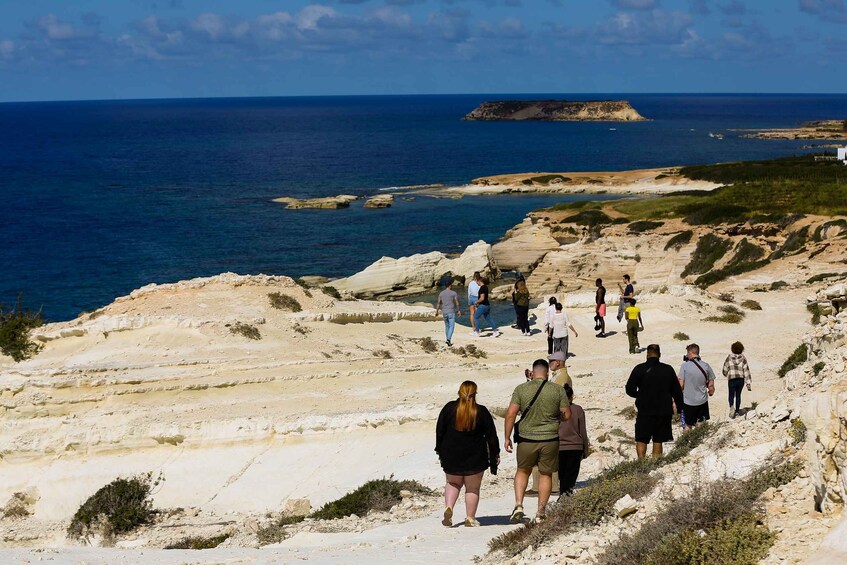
556, 111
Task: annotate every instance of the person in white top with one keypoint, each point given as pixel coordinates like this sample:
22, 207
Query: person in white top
560, 324
548, 323
473, 296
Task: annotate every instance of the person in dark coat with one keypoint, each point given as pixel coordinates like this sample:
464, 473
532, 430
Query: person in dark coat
655, 388
467, 444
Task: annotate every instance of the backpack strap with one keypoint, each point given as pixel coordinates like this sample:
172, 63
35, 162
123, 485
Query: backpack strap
534, 398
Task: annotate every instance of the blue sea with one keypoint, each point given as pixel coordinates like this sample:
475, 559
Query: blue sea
102, 197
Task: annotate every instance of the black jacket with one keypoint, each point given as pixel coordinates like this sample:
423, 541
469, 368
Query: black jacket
654, 385
466, 453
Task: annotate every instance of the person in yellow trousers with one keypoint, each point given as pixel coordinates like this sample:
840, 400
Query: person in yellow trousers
634, 324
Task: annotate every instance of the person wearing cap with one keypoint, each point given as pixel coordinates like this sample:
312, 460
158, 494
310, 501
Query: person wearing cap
558, 369
655, 388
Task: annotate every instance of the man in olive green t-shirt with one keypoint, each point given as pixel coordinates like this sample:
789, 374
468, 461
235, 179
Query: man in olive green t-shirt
538, 442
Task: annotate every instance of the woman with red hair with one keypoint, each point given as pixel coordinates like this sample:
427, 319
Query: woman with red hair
467, 444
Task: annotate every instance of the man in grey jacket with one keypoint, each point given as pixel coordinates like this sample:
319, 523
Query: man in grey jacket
697, 380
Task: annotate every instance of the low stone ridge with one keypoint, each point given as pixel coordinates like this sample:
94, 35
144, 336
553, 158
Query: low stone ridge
380, 201
556, 111
325, 203
416, 274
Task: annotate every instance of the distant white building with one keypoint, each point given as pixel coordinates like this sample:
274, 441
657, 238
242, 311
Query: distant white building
842, 154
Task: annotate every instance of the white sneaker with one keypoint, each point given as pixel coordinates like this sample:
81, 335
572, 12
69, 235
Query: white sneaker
732, 414
475, 334
497, 334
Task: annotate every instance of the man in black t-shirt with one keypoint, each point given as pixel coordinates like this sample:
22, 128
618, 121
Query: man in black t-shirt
483, 310
627, 294
655, 388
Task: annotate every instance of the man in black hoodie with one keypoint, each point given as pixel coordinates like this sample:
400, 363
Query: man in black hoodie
655, 388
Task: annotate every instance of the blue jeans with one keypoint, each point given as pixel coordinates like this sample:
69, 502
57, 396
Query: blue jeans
449, 325
484, 311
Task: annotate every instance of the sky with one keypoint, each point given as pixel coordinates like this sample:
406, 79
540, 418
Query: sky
107, 49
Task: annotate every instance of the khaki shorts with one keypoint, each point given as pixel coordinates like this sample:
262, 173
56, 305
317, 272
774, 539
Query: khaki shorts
544, 455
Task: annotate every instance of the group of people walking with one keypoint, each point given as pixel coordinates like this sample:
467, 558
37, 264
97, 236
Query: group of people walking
543, 425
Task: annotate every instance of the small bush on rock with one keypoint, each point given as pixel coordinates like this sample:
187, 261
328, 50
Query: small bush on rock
681, 336
284, 302
121, 506
797, 358
470, 350
710, 248
276, 532
246, 330
816, 312
428, 345
379, 495
16, 325
751, 305
797, 431
332, 292
716, 524
199, 542
679, 240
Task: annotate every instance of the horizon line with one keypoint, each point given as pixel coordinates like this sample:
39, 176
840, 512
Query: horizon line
294, 96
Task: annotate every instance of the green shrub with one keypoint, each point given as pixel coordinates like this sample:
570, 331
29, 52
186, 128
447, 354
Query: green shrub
586, 507
726, 297
679, 240
729, 315
527, 182
690, 439
710, 248
284, 302
643, 226
681, 336
379, 495
751, 304
771, 476
428, 345
470, 350
746, 252
199, 542
123, 505
276, 531
715, 524
17, 506
547, 179
818, 367
589, 218
246, 330
797, 358
797, 431
305, 286
717, 275
816, 312
332, 292
821, 277
714, 214
16, 325
776, 285
590, 504
740, 541
793, 243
